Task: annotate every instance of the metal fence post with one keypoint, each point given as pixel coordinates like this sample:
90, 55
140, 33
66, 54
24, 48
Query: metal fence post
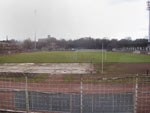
70, 103
81, 95
136, 94
92, 104
26, 94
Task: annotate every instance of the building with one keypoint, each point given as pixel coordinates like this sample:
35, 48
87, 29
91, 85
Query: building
8, 47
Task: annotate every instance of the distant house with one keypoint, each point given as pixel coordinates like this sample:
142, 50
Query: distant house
8, 47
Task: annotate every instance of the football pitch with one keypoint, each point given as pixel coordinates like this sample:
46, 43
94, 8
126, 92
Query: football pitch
75, 57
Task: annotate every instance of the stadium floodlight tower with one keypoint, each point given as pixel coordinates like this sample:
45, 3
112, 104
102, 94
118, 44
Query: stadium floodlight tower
35, 12
148, 8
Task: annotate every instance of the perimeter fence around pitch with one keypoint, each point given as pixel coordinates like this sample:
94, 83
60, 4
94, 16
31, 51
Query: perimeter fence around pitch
81, 94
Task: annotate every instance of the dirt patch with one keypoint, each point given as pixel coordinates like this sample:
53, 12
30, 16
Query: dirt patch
52, 68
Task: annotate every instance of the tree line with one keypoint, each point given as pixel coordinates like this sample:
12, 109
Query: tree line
51, 43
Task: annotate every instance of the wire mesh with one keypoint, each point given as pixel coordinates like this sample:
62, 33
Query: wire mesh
74, 93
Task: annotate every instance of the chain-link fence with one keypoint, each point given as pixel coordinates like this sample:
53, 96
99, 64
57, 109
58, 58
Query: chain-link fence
74, 93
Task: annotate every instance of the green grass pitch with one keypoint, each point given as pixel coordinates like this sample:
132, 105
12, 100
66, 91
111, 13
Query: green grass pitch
72, 57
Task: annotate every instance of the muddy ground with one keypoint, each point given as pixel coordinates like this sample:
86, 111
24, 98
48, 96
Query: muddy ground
51, 68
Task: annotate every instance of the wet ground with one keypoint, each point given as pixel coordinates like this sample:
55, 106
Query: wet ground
52, 68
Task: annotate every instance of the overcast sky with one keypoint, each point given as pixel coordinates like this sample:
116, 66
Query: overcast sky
73, 19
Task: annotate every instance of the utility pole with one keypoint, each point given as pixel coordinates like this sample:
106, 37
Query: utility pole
148, 8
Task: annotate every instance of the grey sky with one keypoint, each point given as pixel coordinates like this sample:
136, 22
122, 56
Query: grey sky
72, 19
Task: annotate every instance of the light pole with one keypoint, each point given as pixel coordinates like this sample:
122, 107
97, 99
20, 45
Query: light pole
148, 8
35, 30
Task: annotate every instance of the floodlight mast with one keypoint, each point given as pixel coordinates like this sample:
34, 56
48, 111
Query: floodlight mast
35, 30
148, 8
